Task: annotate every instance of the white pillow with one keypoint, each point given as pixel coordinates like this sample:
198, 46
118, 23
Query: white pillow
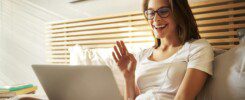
228, 81
79, 55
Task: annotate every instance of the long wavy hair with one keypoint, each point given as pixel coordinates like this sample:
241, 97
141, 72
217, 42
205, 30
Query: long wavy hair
184, 19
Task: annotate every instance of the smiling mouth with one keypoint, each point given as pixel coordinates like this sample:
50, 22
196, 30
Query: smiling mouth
160, 27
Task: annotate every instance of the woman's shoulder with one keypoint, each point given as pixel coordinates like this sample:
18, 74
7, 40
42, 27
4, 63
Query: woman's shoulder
200, 46
199, 43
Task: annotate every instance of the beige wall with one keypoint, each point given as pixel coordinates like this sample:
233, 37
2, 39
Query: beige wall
22, 40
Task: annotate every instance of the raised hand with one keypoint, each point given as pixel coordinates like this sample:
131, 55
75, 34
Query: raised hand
125, 60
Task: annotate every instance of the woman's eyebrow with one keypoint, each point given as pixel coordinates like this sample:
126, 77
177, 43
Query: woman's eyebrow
158, 8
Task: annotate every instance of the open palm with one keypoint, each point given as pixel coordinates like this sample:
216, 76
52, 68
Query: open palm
125, 60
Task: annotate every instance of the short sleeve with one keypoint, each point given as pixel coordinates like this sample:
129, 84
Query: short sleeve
201, 56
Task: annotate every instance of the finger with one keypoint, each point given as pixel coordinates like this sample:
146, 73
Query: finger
120, 48
132, 66
117, 53
114, 57
131, 57
124, 47
133, 62
119, 63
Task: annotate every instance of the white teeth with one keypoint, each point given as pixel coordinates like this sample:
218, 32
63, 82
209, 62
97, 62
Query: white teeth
160, 26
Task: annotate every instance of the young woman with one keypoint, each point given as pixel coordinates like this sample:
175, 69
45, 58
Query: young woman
177, 66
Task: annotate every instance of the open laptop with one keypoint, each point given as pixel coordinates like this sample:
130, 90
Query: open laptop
66, 82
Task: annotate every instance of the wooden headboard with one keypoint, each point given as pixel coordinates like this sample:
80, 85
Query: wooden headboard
218, 21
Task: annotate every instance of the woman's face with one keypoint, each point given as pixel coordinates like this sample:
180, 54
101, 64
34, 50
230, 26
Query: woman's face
162, 21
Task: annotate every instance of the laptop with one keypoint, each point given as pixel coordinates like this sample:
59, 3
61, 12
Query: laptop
66, 82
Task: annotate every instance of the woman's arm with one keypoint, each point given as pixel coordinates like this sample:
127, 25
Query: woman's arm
127, 64
191, 85
129, 89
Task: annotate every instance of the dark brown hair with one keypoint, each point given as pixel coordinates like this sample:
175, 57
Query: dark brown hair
185, 22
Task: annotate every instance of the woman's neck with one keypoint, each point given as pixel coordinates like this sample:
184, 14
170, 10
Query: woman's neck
169, 43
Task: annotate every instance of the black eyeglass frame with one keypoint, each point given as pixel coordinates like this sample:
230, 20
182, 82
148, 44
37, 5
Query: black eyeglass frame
157, 11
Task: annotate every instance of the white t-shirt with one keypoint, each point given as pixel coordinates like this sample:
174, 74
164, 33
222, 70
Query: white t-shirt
160, 80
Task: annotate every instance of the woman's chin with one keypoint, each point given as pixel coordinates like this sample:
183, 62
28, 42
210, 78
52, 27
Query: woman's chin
160, 36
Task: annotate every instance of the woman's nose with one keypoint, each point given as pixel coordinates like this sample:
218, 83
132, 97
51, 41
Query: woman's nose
156, 18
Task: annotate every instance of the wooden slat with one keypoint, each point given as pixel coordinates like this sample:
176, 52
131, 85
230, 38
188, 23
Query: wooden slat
224, 46
223, 40
220, 20
218, 34
104, 36
219, 7
63, 49
218, 14
106, 26
58, 63
58, 60
94, 18
210, 2
221, 27
100, 22
120, 29
59, 56
58, 51
64, 52
103, 41
106, 31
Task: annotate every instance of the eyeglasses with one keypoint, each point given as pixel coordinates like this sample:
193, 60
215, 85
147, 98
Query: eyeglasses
162, 12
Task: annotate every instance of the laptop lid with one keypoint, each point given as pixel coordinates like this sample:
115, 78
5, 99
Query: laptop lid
66, 82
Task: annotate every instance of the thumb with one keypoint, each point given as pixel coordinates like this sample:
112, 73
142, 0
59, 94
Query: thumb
133, 61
